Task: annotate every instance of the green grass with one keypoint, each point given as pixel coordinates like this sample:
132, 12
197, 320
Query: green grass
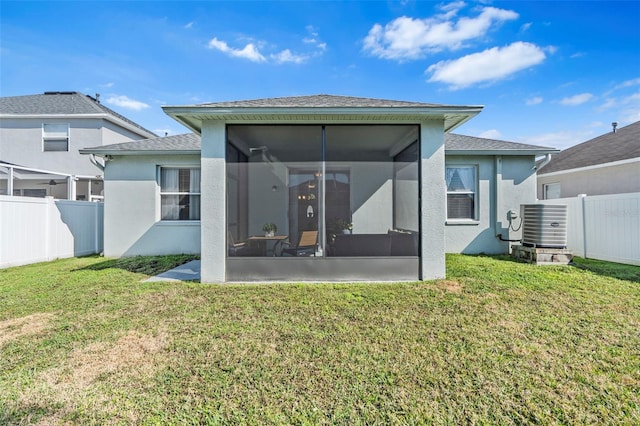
84, 341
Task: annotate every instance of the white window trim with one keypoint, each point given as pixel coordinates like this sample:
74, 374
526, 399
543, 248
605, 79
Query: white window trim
159, 194
68, 138
545, 189
476, 199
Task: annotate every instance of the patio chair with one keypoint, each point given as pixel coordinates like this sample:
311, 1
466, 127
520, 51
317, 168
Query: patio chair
240, 248
306, 245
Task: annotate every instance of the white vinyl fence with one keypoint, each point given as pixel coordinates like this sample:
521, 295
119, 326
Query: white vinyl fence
605, 227
41, 229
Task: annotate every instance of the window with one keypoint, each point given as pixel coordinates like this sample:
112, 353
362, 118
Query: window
551, 191
179, 193
461, 192
55, 137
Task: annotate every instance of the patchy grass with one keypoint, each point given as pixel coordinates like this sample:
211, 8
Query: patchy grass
84, 341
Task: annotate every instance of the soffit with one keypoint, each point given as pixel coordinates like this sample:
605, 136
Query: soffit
193, 117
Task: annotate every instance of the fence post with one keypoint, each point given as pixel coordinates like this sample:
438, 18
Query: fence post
583, 198
96, 233
49, 227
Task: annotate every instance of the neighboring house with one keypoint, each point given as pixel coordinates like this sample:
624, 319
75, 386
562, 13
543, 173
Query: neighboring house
608, 164
312, 165
39, 140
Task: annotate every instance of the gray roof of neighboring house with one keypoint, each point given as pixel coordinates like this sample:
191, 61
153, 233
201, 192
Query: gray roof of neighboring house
624, 144
189, 143
60, 103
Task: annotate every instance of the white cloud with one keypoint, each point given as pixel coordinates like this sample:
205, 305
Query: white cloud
407, 38
578, 55
534, 101
608, 104
628, 83
126, 102
490, 65
561, 140
576, 99
525, 27
250, 51
490, 134
314, 39
286, 56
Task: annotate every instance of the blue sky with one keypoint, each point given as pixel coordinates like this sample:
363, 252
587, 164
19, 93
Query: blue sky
553, 73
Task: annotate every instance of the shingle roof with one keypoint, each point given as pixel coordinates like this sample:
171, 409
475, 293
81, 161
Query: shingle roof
318, 101
190, 142
170, 144
57, 103
621, 145
454, 142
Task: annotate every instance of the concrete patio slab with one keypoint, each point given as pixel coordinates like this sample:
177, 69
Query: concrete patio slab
188, 272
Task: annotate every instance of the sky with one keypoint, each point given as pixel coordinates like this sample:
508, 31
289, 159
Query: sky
550, 73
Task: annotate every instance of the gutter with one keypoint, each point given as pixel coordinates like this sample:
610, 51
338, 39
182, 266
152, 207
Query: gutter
109, 153
592, 167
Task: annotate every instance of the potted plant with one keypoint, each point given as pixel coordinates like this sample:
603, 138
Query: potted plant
269, 229
343, 226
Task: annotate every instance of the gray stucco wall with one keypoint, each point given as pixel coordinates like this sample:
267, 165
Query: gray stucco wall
21, 143
213, 202
132, 223
503, 184
619, 179
433, 200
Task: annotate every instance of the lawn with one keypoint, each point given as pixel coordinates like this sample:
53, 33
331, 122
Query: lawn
84, 341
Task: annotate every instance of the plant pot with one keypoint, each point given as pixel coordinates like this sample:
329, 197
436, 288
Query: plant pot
270, 234
346, 231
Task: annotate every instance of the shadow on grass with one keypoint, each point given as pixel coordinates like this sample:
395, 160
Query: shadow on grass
148, 265
619, 271
609, 269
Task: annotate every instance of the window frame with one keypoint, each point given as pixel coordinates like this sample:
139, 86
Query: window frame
51, 136
475, 192
545, 190
161, 193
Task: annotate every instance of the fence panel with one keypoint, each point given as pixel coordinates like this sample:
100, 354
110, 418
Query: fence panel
40, 229
605, 227
612, 224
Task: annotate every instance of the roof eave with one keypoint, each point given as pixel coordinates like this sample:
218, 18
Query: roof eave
116, 152
500, 151
193, 116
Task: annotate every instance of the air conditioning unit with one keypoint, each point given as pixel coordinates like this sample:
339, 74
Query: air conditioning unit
544, 225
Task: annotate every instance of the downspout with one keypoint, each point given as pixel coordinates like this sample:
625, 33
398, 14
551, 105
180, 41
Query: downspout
497, 165
95, 162
547, 158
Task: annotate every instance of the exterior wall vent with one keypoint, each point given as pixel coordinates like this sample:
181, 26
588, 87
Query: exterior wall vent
544, 225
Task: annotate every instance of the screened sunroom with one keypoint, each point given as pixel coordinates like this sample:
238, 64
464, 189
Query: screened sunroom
316, 188
299, 194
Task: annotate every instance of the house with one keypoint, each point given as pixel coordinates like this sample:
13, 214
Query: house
39, 140
312, 165
608, 164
